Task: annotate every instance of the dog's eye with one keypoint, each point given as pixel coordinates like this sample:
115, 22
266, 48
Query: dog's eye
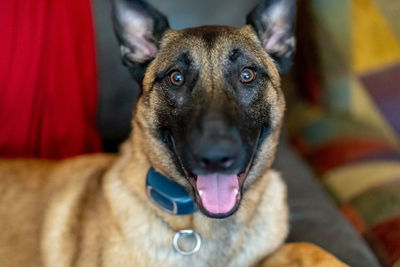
176, 78
247, 75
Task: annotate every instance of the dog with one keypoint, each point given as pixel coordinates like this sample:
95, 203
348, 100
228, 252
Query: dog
205, 129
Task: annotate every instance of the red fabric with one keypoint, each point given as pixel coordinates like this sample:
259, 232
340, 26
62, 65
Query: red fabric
388, 233
343, 151
48, 84
354, 217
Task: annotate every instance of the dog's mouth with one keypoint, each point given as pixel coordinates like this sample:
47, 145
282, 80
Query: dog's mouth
218, 195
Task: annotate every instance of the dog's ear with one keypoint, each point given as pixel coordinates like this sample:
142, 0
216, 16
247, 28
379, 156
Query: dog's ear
273, 21
139, 28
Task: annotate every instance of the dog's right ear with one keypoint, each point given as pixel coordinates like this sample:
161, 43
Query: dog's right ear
139, 28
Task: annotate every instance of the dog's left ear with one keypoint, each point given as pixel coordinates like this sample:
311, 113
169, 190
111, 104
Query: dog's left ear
139, 28
273, 21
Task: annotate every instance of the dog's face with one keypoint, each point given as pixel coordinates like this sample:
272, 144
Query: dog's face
211, 105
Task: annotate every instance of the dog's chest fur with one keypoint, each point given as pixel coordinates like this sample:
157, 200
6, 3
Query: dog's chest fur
92, 215
257, 229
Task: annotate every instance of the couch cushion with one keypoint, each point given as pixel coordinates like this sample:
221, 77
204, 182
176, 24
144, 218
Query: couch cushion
350, 134
360, 168
313, 217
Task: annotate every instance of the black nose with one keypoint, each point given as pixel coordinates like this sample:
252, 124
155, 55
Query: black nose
216, 154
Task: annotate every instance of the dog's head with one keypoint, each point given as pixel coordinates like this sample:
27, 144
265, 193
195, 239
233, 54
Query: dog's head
211, 105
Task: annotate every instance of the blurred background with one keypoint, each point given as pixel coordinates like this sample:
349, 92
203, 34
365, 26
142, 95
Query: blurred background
64, 92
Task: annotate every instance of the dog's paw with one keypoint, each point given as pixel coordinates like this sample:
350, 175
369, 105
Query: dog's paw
301, 255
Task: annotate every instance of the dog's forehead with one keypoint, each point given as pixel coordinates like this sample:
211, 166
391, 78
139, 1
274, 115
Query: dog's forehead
217, 41
211, 35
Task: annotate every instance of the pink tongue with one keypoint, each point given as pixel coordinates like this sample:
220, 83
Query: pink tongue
218, 192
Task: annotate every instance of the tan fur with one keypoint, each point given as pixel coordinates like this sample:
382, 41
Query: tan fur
301, 254
93, 210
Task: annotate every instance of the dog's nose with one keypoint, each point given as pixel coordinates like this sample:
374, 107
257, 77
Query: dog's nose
216, 154
216, 146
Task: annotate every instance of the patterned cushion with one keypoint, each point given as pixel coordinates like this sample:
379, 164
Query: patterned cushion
358, 48
350, 134
360, 168
349, 70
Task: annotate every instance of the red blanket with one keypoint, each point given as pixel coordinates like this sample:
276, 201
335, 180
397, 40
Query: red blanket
48, 83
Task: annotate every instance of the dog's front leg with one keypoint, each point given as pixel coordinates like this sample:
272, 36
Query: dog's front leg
301, 255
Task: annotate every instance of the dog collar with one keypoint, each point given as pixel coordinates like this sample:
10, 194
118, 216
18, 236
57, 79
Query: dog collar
168, 195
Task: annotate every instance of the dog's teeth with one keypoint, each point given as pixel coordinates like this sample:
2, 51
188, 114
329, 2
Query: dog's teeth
236, 191
200, 192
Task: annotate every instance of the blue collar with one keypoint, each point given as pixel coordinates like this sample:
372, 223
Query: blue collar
168, 195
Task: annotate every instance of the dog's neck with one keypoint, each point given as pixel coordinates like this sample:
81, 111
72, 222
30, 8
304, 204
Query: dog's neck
135, 161
136, 221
